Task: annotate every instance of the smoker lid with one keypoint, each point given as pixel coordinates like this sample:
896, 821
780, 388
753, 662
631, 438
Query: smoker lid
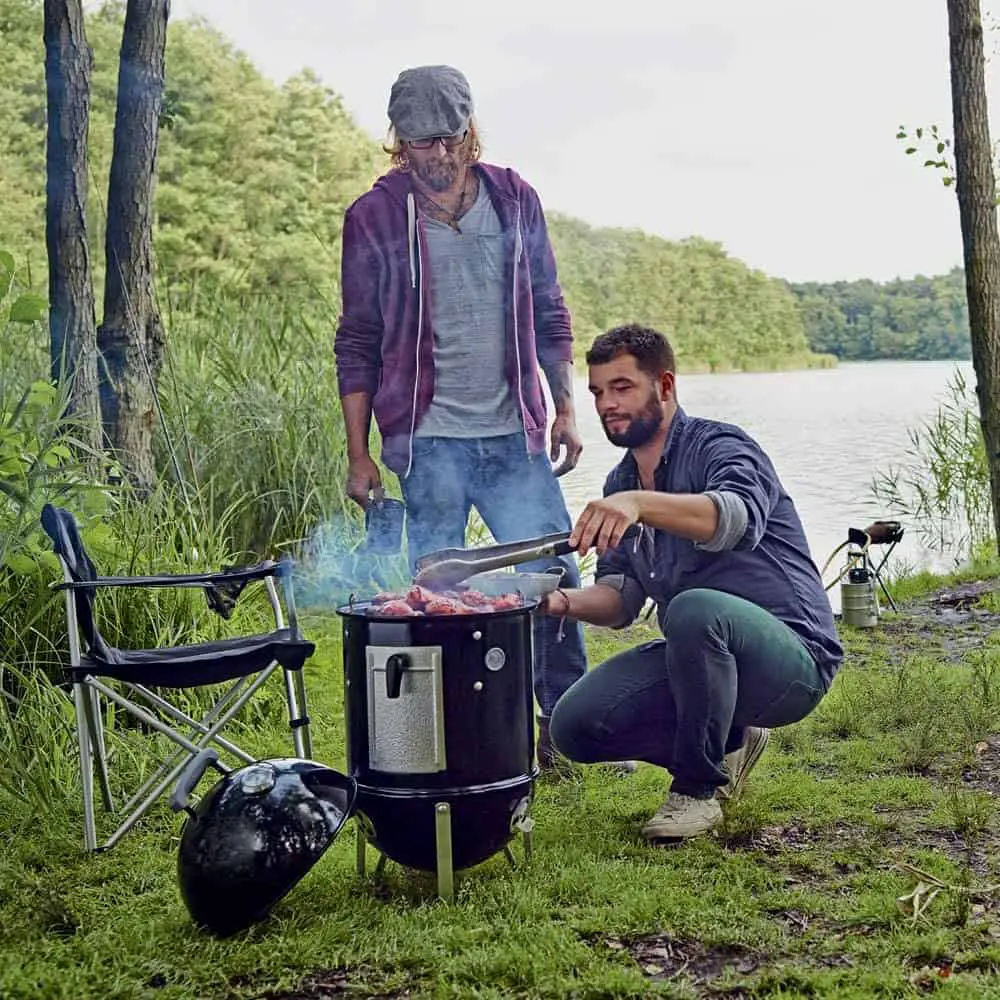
254, 835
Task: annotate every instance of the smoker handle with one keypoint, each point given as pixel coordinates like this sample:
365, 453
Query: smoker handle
394, 668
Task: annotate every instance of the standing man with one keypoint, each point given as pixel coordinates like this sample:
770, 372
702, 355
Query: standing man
695, 518
450, 305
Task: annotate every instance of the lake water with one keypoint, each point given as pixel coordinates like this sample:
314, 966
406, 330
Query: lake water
829, 433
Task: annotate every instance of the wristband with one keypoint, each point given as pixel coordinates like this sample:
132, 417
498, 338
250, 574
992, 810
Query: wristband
562, 593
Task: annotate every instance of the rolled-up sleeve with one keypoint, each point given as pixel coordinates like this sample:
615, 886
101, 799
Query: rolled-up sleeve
744, 486
632, 595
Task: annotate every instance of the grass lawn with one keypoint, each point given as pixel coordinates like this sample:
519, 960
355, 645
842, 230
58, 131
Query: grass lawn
797, 896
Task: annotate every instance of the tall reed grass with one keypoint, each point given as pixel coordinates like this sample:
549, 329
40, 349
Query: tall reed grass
941, 487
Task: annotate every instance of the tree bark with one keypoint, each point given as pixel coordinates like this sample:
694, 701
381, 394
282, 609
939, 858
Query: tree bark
131, 336
72, 333
977, 205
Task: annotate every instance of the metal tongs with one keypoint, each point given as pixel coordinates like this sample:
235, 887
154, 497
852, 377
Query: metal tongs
445, 568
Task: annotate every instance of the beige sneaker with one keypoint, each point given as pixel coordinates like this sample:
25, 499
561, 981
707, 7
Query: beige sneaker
683, 816
740, 762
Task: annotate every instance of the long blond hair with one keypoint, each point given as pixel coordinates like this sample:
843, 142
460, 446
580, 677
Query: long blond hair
396, 147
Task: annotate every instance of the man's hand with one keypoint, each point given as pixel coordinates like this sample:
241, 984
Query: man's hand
603, 522
565, 435
363, 478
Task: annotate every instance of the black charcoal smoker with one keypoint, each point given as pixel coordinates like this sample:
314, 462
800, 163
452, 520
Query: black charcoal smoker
440, 720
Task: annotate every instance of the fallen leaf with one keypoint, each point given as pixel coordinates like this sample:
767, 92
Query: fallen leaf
652, 970
982, 746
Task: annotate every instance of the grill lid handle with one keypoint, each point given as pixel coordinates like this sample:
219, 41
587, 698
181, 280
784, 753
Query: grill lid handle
394, 668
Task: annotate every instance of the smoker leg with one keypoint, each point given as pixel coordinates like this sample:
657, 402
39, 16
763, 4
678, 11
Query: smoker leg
509, 855
522, 821
442, 836
379, 866
360, 844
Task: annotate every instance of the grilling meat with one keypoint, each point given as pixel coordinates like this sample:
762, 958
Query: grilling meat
421, 601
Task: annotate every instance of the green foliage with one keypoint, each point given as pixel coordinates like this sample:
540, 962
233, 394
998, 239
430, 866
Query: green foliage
719, 314
942, 485
922, 318
935, 147
37, 464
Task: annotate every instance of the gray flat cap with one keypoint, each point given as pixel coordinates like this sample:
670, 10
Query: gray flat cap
430, 100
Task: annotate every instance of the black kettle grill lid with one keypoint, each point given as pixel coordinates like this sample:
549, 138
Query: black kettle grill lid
254, 835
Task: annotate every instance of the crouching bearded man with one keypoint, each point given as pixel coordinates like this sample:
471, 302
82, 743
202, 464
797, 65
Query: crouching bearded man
694, 518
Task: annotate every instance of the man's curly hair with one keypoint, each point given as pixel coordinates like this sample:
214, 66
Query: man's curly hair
651, 350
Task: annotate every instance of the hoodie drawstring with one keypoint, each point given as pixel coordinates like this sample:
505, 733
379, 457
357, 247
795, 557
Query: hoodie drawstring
411, 232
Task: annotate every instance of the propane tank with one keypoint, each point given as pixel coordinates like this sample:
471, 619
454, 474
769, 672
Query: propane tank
858, 597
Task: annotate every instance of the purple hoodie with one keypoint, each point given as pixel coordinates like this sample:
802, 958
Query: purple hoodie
384, 343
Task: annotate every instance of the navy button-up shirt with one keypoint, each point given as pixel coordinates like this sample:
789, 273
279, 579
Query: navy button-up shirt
769, 564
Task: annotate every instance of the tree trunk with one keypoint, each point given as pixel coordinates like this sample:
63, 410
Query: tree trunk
72, 334
977, 205
131, 337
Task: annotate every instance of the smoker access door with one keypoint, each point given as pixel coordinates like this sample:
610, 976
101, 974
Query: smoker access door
405, 709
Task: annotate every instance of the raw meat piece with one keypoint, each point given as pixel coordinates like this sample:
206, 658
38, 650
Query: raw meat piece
506, 602
395, 608
385, 598
417, 597
447, 606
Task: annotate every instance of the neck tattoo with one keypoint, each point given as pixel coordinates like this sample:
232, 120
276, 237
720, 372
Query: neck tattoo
445, 215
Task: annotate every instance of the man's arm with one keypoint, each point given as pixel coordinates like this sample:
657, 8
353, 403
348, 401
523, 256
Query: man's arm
597, 605
357, 346
559, 375
363, 476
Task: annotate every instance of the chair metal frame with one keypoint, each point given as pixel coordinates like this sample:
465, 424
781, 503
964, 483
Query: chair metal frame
88, 666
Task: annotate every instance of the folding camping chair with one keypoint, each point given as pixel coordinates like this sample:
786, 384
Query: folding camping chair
125, 677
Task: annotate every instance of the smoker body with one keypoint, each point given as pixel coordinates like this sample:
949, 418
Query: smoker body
440, 733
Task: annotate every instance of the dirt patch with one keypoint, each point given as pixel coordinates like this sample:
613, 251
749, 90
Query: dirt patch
947, 622
981, 774
773, 840
330, 984
661, 957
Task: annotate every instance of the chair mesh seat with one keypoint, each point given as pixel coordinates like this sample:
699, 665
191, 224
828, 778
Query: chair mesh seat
200, 663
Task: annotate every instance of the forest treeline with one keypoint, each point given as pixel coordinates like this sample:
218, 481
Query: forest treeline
254, 178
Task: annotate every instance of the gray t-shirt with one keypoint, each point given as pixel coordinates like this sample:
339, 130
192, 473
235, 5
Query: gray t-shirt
472, 397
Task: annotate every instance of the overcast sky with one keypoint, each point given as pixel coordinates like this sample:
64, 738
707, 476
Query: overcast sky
768, 125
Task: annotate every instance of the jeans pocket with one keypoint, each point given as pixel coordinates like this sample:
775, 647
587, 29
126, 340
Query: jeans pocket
793, 704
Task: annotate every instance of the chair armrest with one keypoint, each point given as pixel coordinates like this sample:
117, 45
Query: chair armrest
246, 573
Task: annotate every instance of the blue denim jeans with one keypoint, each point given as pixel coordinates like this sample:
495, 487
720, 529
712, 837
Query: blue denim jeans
684, 702
517, 496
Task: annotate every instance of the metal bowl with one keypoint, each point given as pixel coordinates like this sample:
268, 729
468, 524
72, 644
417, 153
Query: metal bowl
530, 586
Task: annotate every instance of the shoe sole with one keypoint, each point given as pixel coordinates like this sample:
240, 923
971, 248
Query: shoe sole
751, 754
654, 833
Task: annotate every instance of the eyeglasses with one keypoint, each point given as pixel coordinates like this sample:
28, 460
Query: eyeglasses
448, 141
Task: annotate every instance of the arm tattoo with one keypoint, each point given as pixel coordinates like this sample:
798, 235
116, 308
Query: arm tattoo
560, 378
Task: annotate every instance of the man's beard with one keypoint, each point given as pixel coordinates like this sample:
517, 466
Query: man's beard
641, 428
438, 175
